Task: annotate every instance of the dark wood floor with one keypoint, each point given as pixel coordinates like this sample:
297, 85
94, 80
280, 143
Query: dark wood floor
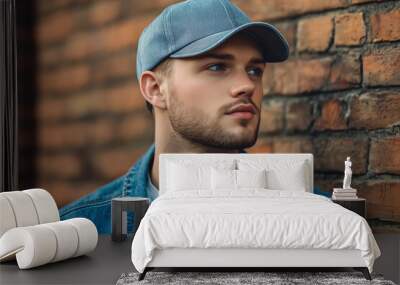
389, 262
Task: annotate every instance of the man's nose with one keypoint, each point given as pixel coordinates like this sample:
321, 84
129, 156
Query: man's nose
243, 85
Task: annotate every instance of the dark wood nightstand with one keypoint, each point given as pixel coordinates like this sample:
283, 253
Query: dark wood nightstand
358, 205
119, 211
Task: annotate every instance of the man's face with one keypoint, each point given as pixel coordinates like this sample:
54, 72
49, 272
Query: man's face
204, 90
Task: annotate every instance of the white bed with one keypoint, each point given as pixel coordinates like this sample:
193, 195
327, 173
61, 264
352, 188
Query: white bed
202, 220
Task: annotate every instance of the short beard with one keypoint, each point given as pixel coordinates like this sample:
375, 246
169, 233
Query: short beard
196, 126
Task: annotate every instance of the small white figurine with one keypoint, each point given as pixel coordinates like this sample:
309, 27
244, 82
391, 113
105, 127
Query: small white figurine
347, 174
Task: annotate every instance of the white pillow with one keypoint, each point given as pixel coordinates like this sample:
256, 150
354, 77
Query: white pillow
251, 178
182, 178
225, 179
188, 175
282, 174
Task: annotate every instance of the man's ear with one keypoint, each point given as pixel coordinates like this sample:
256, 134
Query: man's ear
151, 89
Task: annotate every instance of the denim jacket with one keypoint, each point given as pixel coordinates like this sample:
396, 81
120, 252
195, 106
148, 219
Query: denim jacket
96, 206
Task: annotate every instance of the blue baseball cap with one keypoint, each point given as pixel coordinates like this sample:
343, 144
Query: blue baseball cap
193, 27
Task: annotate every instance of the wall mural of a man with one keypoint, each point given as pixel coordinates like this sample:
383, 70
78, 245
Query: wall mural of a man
202, 80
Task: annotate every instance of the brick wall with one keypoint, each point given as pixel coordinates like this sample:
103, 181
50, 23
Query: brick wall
92, 124
338, 95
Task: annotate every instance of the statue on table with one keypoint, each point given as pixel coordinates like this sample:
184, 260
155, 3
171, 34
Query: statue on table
347, 174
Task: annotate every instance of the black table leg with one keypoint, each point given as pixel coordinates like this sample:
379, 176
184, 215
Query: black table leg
364, 271
143, 274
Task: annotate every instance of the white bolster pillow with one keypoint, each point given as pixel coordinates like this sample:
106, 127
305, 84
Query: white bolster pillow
46, 207
26, 208
7, 219
40, 244
87, 235
22, 207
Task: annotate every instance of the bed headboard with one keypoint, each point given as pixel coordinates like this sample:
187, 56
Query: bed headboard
209, 157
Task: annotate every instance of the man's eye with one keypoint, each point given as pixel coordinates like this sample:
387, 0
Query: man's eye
258, 71
217, 65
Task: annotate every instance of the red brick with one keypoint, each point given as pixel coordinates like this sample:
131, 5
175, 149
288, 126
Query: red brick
120, 66
48, 56
120, 35
381, 67
271, 116
127, 33
385, 155
345, 72
50, 109
297, 76
349, 29
61, 166
298, 115
355, 2
288, 29
79, 46
134, 7
261, 146
277, 9
385, 26
75, 135
122, 99
332, 116
103, 12
45, 6
115, 162
311, 39
62, 137
298, 144
66, 79
86, 44
55, 27
128, 128
268, 79
375, 110
383, 198
292, 145
100, 132
331, 152
64, 191
135, 127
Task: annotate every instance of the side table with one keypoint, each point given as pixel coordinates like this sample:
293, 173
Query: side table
119, 208
358, 205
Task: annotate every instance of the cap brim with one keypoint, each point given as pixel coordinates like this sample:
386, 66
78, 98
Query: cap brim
273, 44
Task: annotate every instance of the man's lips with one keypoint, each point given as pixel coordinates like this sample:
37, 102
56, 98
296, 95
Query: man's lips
243, 111
242, 115
243, 108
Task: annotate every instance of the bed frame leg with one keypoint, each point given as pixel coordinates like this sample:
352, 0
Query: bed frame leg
364, 271
143, 274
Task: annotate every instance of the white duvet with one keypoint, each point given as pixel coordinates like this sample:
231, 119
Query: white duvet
253, 218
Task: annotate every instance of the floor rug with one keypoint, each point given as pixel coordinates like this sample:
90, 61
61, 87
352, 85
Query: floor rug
243, 278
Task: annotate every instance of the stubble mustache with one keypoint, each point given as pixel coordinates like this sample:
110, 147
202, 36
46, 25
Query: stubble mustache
238, 102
